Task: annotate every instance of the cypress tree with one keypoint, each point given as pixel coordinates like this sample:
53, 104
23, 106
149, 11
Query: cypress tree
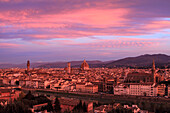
57, 107
49, 107
84, 107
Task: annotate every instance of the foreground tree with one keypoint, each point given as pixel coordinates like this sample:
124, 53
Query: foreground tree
78, 108
29, 96
84, 107
17, 107
57, 107
21, 96
49, 107
1, 109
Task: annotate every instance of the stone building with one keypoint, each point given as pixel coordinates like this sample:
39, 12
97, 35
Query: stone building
84, 65
136, 77
68, 67
28, 66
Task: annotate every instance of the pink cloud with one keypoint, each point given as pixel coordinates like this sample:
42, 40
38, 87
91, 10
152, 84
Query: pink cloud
114, 18
11, 1
122, 43
94, 17
39, 43
4, 0
158, 25
53, 42
9, 45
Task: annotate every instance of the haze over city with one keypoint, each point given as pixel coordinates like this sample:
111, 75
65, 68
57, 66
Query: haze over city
65, 30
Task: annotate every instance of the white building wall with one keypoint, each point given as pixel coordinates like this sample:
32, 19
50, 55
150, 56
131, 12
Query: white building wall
168, 90
142, 89
121, 90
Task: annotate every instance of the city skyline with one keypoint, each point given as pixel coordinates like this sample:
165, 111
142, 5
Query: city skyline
75, 30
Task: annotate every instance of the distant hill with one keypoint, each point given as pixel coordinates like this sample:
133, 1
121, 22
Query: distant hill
23, 65
141, 61
146, 60
64, 64
50, 64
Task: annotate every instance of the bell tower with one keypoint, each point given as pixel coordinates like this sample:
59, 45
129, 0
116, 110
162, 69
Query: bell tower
28, 66
153, 71
68, 67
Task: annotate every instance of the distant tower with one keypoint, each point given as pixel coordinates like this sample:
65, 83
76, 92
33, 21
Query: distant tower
69, 67
153, 71
28, 66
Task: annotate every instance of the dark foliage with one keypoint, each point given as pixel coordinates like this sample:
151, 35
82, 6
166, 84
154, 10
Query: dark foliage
17, 82
16, 107
42, 99
80, 108
84, 107
1, 109
29, 96
57, 107
96, 104
121, 110
49, 107
67, 111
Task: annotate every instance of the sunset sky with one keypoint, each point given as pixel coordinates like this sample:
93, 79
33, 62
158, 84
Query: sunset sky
65, 30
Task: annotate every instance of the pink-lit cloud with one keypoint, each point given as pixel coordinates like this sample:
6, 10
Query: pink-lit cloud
9, 45
123, 43
112, 19
159, 25
39, 43
4, 0
63, 24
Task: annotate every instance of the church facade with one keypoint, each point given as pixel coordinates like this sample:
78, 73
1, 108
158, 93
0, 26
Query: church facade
136, 77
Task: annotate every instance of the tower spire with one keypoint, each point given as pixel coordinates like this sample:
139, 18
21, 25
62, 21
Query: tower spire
153, 65
153, 71
68, 67
28, 66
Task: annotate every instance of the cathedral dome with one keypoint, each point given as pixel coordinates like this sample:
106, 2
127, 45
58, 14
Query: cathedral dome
84, 65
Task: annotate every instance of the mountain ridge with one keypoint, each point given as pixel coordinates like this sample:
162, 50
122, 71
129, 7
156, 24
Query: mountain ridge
138, 61
142, 60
